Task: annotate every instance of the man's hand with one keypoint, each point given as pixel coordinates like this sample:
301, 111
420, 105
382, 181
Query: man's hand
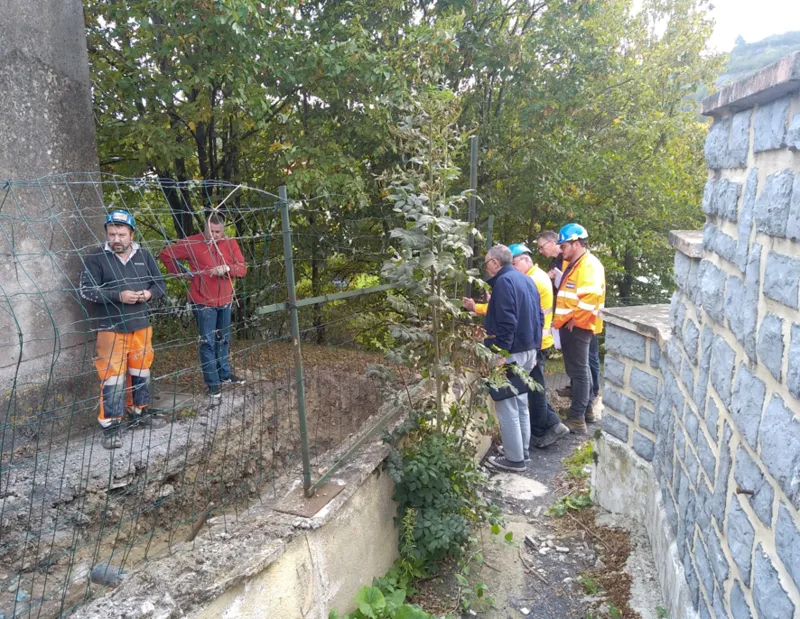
552, 274
570, 324
130, 297
469, 304
146, 295
221, 270
500, 360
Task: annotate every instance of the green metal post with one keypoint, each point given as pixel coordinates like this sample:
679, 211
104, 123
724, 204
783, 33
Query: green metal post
489, 228
288, 256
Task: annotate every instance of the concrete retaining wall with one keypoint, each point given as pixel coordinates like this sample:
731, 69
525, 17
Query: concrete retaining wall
713, 401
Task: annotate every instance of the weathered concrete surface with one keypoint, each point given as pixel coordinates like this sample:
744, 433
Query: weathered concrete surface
323, 568
768, 84
46, 128
648, 320
688, 242
625, 484
270, 564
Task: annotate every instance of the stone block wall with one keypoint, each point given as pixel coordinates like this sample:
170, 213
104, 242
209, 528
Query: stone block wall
713, 400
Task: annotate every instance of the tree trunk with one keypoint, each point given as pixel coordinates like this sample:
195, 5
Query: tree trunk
626, 285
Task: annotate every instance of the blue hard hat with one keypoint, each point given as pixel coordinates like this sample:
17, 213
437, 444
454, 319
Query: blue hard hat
518, 249
572, 232
118, 216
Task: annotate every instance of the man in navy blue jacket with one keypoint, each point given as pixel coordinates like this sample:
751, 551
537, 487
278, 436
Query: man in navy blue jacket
513, 324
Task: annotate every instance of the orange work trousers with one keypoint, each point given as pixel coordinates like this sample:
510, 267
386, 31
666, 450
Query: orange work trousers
123, 363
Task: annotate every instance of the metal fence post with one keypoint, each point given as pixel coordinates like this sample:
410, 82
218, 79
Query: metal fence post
473, 185
288, 256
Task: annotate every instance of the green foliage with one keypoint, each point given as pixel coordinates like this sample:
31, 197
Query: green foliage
437, 481
661, 612
381, 601
590, 585
581, 457
569, 503
613, 611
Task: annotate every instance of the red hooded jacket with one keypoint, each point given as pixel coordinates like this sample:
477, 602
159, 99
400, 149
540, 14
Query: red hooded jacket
202, 256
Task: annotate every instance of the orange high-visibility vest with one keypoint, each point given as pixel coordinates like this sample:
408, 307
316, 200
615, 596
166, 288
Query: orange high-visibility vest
582, 294
545, 288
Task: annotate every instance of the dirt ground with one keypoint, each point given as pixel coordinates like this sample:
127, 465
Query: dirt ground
75, 505
583, 564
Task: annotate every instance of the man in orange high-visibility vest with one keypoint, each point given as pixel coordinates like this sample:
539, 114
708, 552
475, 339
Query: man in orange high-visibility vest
580, 297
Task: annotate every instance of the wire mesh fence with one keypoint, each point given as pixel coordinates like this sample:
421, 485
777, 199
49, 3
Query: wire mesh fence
68, 504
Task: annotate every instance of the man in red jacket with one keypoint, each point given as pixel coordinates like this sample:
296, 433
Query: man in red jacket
214, 260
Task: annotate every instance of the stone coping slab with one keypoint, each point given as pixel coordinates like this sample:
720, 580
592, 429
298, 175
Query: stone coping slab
649, 320
770, 83
688, 242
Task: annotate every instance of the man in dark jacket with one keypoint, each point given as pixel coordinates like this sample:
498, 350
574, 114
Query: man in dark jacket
119, 280
514, 326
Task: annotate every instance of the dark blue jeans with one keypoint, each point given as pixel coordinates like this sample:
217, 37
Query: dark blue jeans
594, 365
214, 329
542, 414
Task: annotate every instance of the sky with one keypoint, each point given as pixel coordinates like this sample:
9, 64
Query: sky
753, 19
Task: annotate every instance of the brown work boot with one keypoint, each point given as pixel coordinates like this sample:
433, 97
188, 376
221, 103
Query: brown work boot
576, 426
565, 392
595, 412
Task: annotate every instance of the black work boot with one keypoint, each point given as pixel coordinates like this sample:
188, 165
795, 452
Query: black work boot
111, 436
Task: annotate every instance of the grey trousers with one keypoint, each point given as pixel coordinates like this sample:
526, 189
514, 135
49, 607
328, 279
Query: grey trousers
575, 346
512, 413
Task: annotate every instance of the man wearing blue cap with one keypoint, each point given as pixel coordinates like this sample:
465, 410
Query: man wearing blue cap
118, 280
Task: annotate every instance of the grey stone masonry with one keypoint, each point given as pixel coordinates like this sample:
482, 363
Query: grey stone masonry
769, 125
789, 550
793, 225
781, 278
619, 402
614, 371
644, 384
779, 438
793, 379
740, 536
748, 400
772, 206
770, 344
770, 597
757, 489
626, 343
712, 401
793, 134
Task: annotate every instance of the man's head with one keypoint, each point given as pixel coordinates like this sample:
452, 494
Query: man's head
215, 227
521, 257
120, 228
496, 258
572, 241
547, 244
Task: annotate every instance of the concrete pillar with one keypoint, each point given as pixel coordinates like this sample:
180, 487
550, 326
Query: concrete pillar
46, 128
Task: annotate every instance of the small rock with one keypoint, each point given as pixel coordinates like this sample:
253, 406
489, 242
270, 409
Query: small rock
22, 596
562, 549
538, 512
525, 611
472, 613
544, 550
147, 608
550, 543
567, 580
166, 490
526, 511
551, 537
